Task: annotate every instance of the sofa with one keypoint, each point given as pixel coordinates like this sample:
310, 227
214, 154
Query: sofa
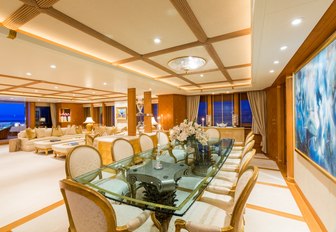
27, 138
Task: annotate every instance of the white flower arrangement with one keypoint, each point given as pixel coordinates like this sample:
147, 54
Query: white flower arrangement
188, 130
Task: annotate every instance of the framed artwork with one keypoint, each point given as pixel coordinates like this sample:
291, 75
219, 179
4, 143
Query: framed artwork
315, 108
121, 113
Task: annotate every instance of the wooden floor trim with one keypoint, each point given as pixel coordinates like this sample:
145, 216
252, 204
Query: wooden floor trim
276, 212
31, 216
273, 185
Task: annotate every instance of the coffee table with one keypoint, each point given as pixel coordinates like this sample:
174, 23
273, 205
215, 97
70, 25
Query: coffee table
63, 149
45, 145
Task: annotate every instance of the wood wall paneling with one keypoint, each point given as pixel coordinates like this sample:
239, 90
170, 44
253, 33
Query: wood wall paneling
281, 124
131, 111
104, 115
30, 114
172, 110
76, 113
236, 105
289, 129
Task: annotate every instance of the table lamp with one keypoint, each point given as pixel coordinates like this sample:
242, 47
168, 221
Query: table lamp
89, 123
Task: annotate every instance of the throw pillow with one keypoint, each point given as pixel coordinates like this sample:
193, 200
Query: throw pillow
111, 130
79, 130
31, 134
40, 132
100, 130
70, 130
56, 131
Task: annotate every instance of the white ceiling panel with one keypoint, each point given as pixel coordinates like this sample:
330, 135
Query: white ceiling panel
207, 77
91, 91
13, 81
221, 17
239, 73
235, 51
134, 24
69, 37
144, 69
7, 7
196, 51
174, 81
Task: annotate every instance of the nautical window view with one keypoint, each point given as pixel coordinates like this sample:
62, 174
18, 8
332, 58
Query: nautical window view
12, 118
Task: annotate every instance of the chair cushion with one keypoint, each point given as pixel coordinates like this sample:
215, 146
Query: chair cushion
203, 217
221, 183
40, 132
31, 133
222, 201
229, 167
232, 161
56, 131
229, 176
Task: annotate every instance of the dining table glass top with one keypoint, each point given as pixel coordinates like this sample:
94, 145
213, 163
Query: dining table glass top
154, 180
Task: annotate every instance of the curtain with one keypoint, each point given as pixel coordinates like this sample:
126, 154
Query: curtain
53, 114
257, 101
192, 107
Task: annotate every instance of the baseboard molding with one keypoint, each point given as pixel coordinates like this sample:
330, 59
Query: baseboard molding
313, 217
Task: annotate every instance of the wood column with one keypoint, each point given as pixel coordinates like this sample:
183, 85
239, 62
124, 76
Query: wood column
289, 129
280, 125
103, 114
131, 105
148, 111
91, 111
236, 106
30, 114
209, 112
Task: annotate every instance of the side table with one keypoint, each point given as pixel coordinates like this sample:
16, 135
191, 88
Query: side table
14, 145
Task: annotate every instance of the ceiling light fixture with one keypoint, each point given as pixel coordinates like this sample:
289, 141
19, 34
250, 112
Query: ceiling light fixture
201, 75
276, 62
283, 48
28, 74
272, 71
104, 83
157, 40
53, 66
186, 63
296, 22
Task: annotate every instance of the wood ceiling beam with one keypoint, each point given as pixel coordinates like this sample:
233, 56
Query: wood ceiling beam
231, 35
238, 66
189, 73
218, 82
22, 86
190, 19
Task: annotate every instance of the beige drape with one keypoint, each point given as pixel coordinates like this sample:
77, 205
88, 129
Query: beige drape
192, 107
53, 114
257, 100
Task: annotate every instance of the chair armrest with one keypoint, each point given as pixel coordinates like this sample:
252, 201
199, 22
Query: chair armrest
135, 223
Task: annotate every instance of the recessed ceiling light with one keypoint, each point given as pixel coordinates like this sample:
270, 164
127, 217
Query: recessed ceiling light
39, 99
213, 93
28, 74
12, 98
73, 94
201, 75
35, 90
271, 71
276, 62
296, 22
53, 66
157, 40
104, 83
283, 48
56, 87
93, 92
150, 89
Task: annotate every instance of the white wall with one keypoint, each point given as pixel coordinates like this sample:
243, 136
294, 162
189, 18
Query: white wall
119, 104
319, 190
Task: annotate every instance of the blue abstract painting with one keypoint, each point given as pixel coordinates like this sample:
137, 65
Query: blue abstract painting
315, 109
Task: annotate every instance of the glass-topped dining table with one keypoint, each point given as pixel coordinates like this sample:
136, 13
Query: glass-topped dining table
153, 180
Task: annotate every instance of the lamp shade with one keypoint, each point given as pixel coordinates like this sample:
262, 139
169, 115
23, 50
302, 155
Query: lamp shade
88, 120
42, 119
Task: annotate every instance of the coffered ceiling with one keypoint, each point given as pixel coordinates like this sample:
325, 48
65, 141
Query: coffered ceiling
101, 48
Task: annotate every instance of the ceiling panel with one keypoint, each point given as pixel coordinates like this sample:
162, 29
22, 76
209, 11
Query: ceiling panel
132, 23
35, 91
54, 87
8, 7
144, 68
239, 73
221, 17
220, 85
207, 77
174, 81
196, 51
72, 38
91, 92
235, 51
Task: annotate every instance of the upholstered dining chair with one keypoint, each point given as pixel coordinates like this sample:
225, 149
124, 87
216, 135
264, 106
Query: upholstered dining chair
240, 148
89, 139
213, 134
89, 211
204, 217
225, 182
175, 154
242, 143
82, 159
235, 157
121, 149
146, 142
162, 138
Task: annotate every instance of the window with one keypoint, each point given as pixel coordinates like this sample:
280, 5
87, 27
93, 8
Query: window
86, 112
202, 109
223, 109
43, 112
245, 111
155, 111
12, 112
